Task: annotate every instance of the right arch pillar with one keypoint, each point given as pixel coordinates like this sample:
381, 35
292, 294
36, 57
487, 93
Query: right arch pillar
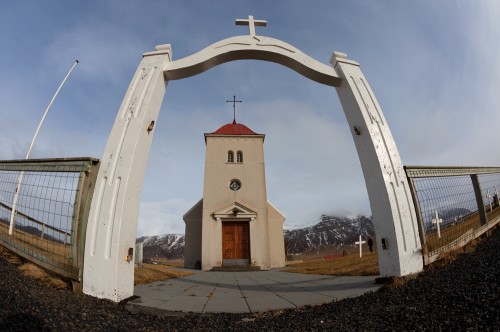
394, 218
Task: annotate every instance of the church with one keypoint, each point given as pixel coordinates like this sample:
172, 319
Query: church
234, 225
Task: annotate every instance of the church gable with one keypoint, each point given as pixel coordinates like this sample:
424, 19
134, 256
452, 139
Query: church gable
235, 210
274, 214
195, 213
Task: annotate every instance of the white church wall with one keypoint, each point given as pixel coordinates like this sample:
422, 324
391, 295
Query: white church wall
277, 242
192, 249
218, 174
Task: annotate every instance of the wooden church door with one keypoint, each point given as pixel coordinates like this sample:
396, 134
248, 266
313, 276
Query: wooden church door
235, 243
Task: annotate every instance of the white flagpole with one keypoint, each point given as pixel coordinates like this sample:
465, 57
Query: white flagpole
20, 179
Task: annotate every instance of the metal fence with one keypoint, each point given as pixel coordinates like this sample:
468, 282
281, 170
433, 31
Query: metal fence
51, 211
454, 205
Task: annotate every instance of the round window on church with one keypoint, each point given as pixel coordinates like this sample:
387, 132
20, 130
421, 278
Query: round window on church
235, 185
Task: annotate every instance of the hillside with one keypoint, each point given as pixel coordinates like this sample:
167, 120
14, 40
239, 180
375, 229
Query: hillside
170, 246
331, 231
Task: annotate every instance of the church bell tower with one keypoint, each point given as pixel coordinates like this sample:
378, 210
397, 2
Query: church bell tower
234, 224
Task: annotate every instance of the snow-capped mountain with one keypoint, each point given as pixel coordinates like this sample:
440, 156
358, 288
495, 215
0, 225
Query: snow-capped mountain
170, 246
330, 231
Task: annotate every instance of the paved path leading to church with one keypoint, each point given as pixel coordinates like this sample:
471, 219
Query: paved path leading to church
240, 292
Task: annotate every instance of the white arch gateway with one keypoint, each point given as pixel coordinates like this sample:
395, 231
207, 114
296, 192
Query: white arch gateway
112, 225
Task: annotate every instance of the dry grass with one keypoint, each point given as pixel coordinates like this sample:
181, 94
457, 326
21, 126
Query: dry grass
10, 257
471, 246
351, 265
33, 271
143, 275
169, 262
56, 250
150, 272
447, 257
398, 282
449, 234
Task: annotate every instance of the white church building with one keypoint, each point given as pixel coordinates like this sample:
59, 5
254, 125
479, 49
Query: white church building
234, 224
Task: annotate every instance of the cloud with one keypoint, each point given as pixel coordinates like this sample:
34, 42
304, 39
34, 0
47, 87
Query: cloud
105, 51
162, 217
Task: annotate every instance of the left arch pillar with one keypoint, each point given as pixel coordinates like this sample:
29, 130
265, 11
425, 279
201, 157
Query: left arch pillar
112, 225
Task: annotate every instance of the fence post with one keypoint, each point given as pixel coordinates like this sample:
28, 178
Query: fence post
87, 191
139, 254
418, 212
76, 219
479, 198
81, 207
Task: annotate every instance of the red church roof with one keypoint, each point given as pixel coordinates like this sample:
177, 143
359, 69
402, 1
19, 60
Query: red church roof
234, 129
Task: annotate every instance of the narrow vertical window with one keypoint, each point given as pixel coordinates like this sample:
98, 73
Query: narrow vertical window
230, 157
239, 157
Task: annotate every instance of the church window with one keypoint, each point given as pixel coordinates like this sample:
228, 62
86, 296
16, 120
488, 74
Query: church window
235, 185
230, 157
239, 157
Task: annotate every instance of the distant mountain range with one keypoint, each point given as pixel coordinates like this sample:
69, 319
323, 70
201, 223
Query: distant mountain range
331, 231
170, 246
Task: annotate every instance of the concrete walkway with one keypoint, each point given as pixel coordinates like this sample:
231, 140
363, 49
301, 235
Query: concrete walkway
243, 292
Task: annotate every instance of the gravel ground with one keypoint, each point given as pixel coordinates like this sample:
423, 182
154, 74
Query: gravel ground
461, 296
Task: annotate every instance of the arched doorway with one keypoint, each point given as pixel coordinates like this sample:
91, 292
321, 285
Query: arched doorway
112, 224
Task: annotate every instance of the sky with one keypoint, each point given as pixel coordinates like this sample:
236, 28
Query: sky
433, 66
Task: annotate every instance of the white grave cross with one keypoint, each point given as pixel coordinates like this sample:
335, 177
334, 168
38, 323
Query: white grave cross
496, 194
251, 24
360, 242
437, 221
489, 197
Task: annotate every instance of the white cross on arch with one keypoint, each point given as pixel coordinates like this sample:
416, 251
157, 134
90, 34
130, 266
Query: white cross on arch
251, 24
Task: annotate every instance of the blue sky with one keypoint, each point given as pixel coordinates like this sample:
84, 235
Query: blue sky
433, 65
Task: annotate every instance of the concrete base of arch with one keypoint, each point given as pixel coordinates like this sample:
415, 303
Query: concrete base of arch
112, 225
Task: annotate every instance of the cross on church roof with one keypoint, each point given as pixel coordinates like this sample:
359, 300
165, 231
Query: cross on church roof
251, 24
234, 101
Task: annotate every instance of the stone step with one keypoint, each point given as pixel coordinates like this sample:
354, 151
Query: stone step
236, 268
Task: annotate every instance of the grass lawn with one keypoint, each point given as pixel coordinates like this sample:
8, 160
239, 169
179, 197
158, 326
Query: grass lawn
152, 272
351, 265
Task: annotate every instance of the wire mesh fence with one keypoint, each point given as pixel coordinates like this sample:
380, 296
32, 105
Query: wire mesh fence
46, 222
454, 205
